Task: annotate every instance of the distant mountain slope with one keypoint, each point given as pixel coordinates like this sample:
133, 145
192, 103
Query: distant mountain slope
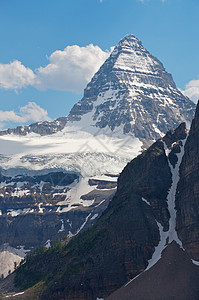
42, 128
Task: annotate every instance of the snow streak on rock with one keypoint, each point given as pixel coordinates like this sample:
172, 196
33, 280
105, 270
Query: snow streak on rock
158, 250
83, 225
172, 234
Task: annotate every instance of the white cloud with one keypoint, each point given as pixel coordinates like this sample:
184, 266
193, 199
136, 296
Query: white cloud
15, 75
192, 90
28, 113
71, 69
68, 70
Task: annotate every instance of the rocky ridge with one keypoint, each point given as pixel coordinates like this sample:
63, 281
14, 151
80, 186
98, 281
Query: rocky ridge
132, 92
42, 128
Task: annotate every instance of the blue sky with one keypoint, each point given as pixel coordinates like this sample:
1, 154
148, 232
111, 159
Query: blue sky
41, 76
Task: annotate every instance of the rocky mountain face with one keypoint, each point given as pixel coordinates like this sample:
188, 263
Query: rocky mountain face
59, 181
34, 210
42, 128
133, 92
150, 212
187, 197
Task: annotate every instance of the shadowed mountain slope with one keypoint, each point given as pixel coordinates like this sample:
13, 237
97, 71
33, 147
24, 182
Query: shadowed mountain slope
173, 277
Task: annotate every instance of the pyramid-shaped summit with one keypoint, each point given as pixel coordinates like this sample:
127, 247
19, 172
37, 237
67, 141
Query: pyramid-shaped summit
132, 94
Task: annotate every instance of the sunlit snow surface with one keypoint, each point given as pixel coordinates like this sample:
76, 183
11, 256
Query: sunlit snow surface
70, 150
10, 258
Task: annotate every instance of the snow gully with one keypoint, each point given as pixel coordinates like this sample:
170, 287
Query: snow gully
172, 234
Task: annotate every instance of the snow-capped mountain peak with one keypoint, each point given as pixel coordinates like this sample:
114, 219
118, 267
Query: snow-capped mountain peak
131, 55
132, 93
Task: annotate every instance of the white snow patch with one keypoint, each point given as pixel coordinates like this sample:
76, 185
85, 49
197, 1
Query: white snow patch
62, 226
7, 262
166, 149
195, 262
14, 295
14, 213
20, 193
147, 202
157, 253
41, 209
106, 177
10, 258
78, 188
132, 279
158, 250
158, 131
70, 234
94, 217
48, 244
83, 225
100, 203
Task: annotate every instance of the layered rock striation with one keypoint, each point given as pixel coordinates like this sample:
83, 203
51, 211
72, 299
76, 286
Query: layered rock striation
133, 92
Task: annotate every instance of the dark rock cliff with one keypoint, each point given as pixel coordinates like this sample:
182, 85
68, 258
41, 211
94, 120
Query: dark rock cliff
187, 197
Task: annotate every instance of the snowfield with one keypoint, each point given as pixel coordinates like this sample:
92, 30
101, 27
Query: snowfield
71, 150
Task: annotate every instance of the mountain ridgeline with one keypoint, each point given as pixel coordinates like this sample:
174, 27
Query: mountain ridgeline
131, 94
133, 91
140, 220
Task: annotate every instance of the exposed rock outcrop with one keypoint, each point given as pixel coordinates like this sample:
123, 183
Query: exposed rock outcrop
187, 197
132, 93
42, 128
